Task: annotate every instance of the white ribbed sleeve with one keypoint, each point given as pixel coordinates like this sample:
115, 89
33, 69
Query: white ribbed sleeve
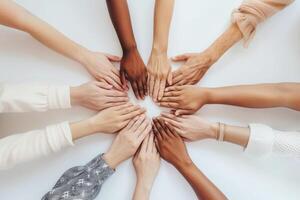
25, 98
265, 140
31, 145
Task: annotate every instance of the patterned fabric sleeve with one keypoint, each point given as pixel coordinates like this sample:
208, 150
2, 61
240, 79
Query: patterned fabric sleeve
81, 182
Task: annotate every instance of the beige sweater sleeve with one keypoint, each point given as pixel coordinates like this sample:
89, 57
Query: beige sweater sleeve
252, 12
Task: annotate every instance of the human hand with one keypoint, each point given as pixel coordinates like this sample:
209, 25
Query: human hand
97, 95
133, 67
191, 127
111, 120
99, 66
194, 68
159, 75
128, 141
146, 162
169, 144
186, 99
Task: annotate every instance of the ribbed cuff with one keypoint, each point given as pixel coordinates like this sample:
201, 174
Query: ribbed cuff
59, 97
261, 140
59, 136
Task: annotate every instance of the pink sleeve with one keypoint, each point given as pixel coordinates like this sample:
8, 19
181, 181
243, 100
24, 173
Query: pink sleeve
253, 12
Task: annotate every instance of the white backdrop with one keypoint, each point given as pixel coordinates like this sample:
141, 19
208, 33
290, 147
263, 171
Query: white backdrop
273, 56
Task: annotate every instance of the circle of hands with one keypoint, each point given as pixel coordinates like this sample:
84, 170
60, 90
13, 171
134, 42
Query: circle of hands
146, 139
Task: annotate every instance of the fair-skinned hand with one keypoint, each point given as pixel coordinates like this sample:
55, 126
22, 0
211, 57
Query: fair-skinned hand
97, 95
99, 66
146, 162
128, 141
191, 127
159, 75
134, 69
169, 144
111, 120
194, 68
186, 99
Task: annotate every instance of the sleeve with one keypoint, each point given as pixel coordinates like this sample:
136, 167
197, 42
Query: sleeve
265, 140
25, 98
81, 182
23, 147
252, 12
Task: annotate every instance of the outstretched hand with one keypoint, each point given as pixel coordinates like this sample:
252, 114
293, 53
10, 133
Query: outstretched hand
133, 68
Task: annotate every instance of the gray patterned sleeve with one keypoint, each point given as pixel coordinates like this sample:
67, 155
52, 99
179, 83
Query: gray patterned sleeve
81, 182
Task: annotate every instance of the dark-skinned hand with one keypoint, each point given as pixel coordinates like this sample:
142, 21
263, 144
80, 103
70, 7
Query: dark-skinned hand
134, 69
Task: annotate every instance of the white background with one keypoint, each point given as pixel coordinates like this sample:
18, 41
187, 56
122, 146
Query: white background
273, 56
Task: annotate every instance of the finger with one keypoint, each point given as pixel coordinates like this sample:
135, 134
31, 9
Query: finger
113, 82
160, 128
183, 82
156, 89
116, 78
177, 77
174, 129
170, 99
138, 123
173, 88
135, 89
113, 104
162, 86
131, 123
148, 84
152, 83
133, 114
141, 89
103, 85
172, 93
145, 86
151, 144
182, 57
123, 79
169, 79
128, 109
171, 130
144, 147
116, 93
123, 106
173, 123
163, 124
117, 99
168, 104
113, 57
145, 132
156, 132
183, 112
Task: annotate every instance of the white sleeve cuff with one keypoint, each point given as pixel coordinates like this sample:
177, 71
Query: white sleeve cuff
261, 140
59, 136
59, 97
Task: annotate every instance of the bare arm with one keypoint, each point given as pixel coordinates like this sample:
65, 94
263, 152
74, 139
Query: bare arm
159, 68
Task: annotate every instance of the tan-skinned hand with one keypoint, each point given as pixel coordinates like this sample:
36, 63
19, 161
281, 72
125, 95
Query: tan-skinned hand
186, 99
191, 127
97, 95
159, 75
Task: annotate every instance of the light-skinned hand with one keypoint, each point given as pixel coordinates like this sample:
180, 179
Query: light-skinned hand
100, 67
194, 68
169, 144
146, 162
191, 127
186, 99
128, 141
97, 95
134, 69
159, 75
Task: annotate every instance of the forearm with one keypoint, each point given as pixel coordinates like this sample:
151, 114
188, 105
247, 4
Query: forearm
142, 191
15, 16
225, 41
202, 186
162, 20
119, 14
257, 96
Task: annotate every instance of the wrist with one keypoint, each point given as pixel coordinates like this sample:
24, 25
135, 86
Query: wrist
143, 187
183, 164
111, 159
214, 127
80, 129
75, 95
158, 49
130, 49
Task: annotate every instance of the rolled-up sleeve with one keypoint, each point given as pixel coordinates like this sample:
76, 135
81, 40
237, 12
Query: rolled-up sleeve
31, 145
252, 12
264, 141
26, 98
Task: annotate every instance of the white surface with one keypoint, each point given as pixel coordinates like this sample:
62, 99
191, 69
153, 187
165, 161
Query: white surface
273, 56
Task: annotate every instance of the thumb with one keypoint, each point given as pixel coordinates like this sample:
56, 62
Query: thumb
182, 57
112, 58
183, 112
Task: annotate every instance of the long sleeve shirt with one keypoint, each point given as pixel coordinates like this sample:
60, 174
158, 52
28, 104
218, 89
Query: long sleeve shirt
264, 141
252, 12
81, 182
27, 146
